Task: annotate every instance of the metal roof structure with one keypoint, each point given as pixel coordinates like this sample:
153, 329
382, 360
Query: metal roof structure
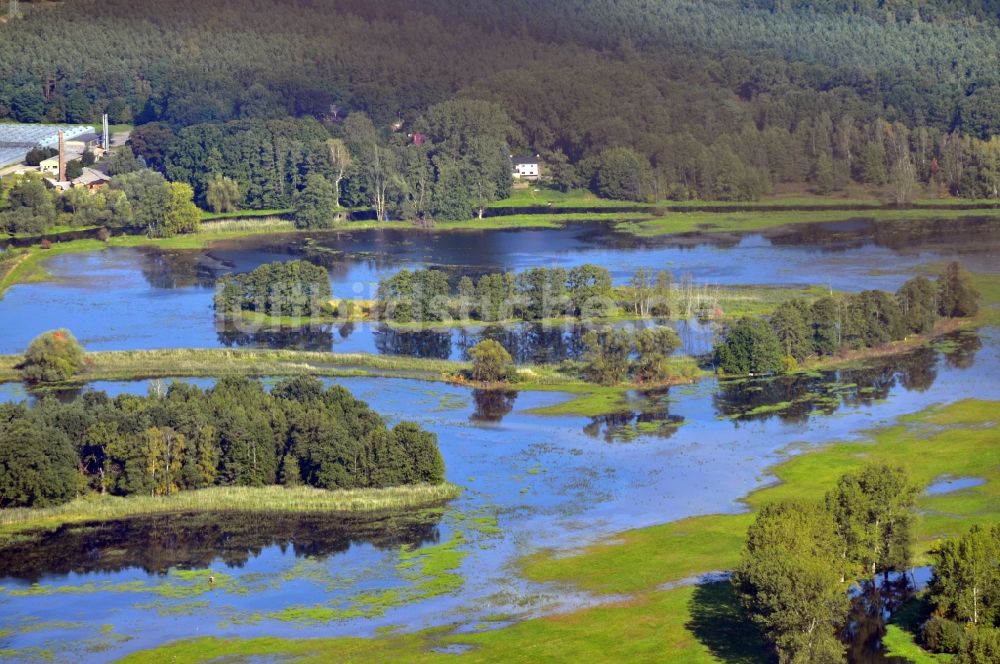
17, 139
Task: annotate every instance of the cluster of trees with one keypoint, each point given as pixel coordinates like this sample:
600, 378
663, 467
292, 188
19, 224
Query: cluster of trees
535, 294
293, 288
458, 165
267, 160
965, 594
235, 433
138, 198
800, 556
723, 98
892, 10
870, 318
611, 355
614, 354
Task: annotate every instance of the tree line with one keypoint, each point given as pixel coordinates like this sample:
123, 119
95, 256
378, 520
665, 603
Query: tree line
139, 198
796, 330
292, 288
964, 595
451, 164
534, 294
235, 433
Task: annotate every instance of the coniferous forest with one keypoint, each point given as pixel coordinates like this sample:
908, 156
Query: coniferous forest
714, 100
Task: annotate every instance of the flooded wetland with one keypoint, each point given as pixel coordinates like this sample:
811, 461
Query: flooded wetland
531, 481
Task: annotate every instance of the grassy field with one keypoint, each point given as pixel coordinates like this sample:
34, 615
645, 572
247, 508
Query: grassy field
533, 194
642, 622
721, 222
129, 365
228, 499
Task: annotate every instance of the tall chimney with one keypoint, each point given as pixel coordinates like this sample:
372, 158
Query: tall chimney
62, 156
106, 143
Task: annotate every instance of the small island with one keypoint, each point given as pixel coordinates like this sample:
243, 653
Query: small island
233, 444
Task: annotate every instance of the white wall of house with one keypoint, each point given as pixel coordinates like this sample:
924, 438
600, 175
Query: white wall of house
526, 170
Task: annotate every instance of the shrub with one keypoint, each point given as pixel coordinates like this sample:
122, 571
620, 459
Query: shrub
52, 357
942, 635
490, 362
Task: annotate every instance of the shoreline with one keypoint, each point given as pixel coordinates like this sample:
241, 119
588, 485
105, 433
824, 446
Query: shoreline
586, 399
638, 224
258, 500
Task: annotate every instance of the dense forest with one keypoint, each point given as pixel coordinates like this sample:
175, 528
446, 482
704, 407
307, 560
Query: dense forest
235, 433
718, 99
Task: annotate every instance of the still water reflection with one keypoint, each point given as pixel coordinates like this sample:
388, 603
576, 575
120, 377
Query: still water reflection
130, 298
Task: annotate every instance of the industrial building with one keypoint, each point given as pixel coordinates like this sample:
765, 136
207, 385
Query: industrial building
16, 140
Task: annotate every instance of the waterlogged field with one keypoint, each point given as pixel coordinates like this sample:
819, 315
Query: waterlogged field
531, 483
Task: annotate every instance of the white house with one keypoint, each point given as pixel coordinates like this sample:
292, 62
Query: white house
527, 168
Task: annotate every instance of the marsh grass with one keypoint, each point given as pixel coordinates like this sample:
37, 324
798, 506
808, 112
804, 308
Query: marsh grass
230, 499
244, 214
125, 365
721, 222
247, 225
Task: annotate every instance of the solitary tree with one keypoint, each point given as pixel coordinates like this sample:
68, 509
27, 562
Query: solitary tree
749, 347
622, 174
222, 194
607, 355
181, 215
792, 329
123, 161
52, 357
315, 205
790, 579
957, 297
340, 160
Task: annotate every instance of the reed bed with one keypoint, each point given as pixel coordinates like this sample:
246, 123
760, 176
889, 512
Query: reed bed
247, 225
123, 365
269, 499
